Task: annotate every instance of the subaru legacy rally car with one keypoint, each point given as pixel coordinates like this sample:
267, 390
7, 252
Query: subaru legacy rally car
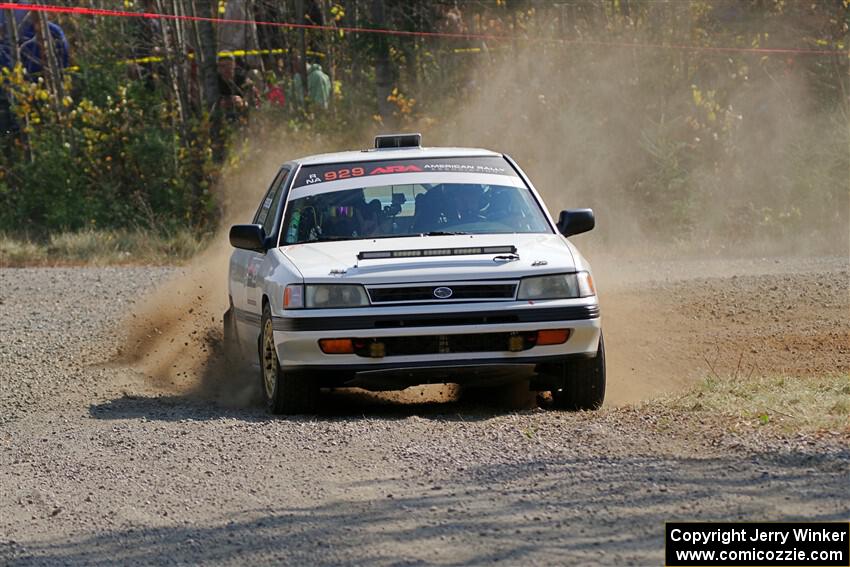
402, 265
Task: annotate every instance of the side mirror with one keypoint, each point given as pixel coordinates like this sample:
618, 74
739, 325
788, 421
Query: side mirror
576, 221
248, 237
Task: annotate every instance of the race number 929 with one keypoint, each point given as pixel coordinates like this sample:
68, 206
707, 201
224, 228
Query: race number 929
344, 173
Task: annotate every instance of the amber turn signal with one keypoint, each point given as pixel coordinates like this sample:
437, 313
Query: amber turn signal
552, 337
336, 346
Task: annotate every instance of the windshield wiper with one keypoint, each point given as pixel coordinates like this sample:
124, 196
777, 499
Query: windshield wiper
330, 238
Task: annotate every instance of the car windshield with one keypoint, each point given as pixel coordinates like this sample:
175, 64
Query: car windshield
388, 211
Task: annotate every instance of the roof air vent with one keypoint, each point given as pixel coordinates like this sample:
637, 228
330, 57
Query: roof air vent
398, 141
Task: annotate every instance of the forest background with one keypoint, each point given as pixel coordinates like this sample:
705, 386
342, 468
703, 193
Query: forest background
692, 123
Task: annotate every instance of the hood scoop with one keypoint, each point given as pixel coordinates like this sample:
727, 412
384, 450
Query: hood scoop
430, 252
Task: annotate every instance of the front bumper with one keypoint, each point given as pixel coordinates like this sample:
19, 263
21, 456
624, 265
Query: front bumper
297, 335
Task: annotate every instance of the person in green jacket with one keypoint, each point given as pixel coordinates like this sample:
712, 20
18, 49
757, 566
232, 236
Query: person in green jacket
295, 85
318, 86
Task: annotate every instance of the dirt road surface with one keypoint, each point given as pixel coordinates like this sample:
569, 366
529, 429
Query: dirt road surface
102, 465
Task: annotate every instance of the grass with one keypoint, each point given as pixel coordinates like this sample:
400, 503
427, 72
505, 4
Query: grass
105, 247
788, 404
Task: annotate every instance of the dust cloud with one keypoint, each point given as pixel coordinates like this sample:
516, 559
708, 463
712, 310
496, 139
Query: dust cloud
758, 165
609, 130
175, 335
743, 160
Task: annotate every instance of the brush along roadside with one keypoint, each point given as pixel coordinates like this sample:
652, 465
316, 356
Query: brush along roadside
99, 248
775, 406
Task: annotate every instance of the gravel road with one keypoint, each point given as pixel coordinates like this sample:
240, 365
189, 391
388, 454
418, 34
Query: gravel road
102, 465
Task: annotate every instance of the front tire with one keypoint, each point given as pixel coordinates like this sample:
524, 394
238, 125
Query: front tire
284, 392
584, 383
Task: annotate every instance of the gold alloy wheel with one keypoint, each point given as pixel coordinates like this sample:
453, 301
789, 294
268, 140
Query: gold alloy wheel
269, 359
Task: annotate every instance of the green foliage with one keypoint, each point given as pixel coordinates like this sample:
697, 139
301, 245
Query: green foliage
109, 155
665, 189
678, 144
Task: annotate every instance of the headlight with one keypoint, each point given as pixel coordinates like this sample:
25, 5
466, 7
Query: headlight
560, 286
320, 296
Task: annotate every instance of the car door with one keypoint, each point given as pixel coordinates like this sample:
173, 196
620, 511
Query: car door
246, 266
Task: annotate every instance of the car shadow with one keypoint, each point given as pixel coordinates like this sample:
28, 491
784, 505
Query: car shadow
444, 402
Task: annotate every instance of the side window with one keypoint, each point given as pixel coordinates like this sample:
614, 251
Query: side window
266, 205
271, 217
263, 211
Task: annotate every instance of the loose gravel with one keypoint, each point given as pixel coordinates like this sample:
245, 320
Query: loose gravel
54, 322
100, 467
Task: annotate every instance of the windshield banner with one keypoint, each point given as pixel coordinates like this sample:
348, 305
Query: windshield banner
314, 174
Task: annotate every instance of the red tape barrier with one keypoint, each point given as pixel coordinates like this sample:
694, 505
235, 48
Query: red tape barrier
75, 10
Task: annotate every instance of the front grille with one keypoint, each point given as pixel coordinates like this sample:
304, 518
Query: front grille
441, 344
460, 292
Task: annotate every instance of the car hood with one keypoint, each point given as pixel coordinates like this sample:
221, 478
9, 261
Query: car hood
538, 254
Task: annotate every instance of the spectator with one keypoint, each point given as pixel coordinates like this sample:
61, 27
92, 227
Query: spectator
318, 86
6, 51
231, 87
29, 56
296, 83
8, 125
274, 92
255, 86
30, 50
452, 21
144, 36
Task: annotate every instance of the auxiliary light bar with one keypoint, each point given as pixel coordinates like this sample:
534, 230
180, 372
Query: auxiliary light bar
469, 251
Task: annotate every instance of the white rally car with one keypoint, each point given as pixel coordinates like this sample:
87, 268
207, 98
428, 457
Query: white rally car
402, 265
